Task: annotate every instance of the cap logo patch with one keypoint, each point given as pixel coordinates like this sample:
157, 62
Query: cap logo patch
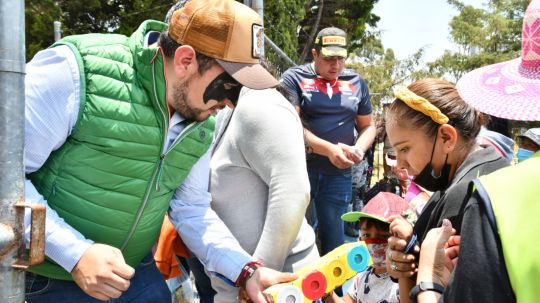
257, 31
333, 40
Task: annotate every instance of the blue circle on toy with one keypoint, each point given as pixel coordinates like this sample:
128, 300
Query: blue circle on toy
358, 258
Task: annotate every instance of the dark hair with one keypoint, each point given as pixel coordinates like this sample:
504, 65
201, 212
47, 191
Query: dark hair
169, 46
443, 95
379, 225
497, 124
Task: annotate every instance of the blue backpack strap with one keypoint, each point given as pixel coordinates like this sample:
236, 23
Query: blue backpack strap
486, 202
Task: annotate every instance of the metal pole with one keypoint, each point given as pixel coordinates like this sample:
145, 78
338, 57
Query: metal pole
258, 6
279, 51
57, 30
12, 70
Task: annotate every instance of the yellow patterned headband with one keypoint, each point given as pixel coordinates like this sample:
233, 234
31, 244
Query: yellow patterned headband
420, 104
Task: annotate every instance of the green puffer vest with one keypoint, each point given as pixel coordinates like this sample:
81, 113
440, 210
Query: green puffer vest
112, 180
514, 192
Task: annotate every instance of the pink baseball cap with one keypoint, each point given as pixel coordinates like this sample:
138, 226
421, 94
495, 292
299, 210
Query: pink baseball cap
380, 207
509, 89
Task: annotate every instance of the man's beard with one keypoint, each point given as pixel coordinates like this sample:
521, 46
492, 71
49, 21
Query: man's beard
180, 102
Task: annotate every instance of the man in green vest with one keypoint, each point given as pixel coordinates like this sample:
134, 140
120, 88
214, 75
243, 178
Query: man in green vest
118, 132
499, 257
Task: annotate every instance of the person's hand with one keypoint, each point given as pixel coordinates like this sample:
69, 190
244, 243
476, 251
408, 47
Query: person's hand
263, 278
399, 227
102, 272
338, 157
243, 296
437, 254
451, 251
398, 263
352, 153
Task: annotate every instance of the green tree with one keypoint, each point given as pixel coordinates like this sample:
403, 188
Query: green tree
353, 16
483, 36
381, 69
90, 16
281, 20
39, 18
137, 11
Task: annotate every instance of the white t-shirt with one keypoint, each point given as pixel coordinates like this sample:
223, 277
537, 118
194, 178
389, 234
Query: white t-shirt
368, 287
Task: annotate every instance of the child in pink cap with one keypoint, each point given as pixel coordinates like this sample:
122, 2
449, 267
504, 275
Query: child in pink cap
374, 284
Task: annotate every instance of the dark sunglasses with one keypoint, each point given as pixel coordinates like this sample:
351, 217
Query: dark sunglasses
222, 87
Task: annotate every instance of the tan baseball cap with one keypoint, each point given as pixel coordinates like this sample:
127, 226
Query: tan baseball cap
228, 31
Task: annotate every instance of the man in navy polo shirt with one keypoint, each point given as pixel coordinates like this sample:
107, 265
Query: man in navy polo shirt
335, 105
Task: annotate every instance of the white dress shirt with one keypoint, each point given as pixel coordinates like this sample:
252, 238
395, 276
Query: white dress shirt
51, 110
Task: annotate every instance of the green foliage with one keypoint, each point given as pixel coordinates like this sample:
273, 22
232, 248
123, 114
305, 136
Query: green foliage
281, 19
468, 28
353, 16
137, 11
39, 18
124, 16
89, 16
381, 69
286, 21
483, 36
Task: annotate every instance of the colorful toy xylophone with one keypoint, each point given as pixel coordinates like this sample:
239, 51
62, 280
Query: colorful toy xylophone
323, 275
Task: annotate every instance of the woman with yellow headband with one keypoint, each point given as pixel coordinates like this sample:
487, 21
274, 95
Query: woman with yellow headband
433, 132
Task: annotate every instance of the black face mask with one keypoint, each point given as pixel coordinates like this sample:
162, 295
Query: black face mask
426, 178
222, 87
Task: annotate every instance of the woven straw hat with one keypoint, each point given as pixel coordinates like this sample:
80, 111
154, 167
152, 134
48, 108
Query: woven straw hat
510, 89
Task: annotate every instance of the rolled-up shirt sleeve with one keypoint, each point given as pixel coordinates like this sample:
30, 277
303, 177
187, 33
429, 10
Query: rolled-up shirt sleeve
52, 93
200, 227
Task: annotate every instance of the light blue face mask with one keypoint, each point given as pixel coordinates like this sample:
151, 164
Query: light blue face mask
523, 154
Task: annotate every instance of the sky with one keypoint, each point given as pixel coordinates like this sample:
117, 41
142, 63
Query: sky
408, 25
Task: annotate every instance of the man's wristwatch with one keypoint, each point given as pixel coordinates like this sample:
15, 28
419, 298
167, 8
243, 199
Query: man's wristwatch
425, 286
